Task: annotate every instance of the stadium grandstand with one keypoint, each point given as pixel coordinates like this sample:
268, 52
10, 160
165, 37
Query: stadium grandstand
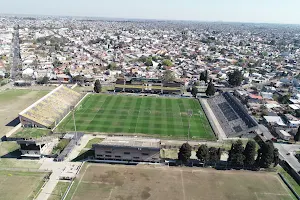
49, 110
232, 116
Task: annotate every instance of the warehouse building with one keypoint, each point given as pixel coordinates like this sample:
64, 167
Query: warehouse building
128, 149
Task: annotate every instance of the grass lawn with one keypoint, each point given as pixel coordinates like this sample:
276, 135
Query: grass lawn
31, 133
20, 185
101, 182
160, 117
18, 163
93, 141
12, 102
59, 190
290, 180
60, 146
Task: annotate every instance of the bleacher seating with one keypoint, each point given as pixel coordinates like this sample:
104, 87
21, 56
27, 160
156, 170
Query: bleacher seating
231, 114
49, 110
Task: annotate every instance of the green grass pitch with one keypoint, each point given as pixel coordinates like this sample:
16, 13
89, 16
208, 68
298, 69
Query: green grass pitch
162, 117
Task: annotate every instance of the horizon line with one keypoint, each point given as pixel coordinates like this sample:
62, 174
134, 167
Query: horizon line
147, 19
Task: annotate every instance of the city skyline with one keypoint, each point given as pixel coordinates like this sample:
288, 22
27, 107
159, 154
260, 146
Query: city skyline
191, 10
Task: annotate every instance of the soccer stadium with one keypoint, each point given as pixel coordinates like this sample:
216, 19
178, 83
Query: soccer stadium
51, 109
140, 115
232, 116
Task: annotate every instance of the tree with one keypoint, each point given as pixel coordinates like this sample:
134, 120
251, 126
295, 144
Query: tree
78, 78
284, 99
236, 156
97, 86
249, 153
266, 154
219, 153
112, 66
185, 153
297, 136
235, 78
210, 91
202, 76
213, 155
148, 62
203, 153
205, 76
276, 157
194, 91
167, 62
168, 76
43, 80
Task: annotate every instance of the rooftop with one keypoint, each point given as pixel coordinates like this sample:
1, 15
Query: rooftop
130, 142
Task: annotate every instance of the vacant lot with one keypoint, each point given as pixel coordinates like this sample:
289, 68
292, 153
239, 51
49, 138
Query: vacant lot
12, 102
163, 117
20, 185
116, 182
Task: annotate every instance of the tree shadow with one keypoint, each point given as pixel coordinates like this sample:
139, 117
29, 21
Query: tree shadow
14, 122
14, 154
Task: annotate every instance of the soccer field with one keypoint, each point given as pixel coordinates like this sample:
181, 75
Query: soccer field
163, 117
116, 182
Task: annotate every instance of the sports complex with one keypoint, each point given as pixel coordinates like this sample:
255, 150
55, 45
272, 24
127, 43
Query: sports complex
142, 115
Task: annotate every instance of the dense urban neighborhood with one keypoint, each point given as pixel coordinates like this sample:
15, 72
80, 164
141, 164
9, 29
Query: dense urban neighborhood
82, 99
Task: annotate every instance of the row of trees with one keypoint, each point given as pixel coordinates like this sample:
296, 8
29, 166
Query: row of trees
210, 90
204, 154
238, 155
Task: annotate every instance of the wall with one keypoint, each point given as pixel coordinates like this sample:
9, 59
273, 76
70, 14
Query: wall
137, 154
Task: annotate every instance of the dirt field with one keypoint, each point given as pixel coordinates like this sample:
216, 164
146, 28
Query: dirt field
14, 101
20, 185
117, 182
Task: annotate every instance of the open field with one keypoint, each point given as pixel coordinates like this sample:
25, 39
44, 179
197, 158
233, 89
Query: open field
14, 101
162, 117
20, 185
59, 190
119, 182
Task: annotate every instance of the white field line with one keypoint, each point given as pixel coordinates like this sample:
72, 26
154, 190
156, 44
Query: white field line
79, 181
138, 116
98, 110
285, 187
256, 196
110, 193
182, 185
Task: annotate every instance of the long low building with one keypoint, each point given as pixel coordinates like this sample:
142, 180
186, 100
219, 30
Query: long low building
50, 109
128, 149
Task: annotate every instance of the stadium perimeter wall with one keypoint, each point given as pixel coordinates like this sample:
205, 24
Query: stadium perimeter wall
211, 122
70, 111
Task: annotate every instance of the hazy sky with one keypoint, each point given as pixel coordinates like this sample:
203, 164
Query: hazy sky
273, 11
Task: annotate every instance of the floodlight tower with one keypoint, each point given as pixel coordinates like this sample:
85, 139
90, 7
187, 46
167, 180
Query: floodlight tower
73, 111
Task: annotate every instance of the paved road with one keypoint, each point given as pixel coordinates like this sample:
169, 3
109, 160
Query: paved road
285, 149
57, 169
